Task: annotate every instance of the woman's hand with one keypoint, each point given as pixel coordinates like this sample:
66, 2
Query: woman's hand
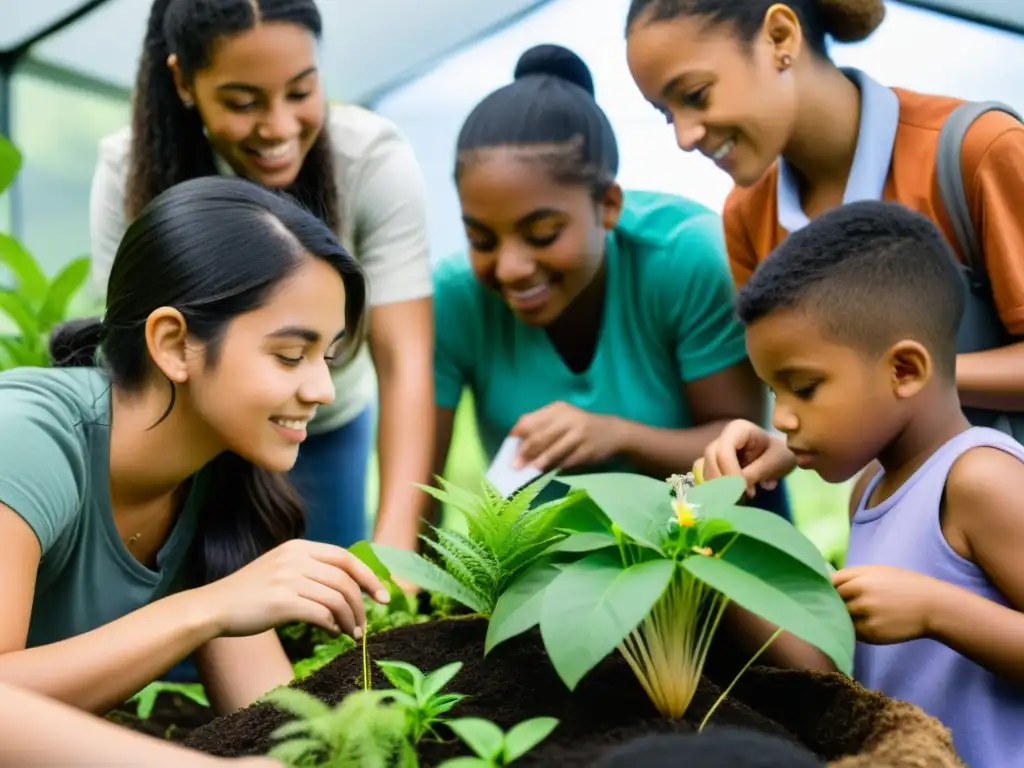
298, 581
743, 448
562, 435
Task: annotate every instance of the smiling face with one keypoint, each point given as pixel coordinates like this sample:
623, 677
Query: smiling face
837, 406
730, 100
261, 101
271, 369
535, 241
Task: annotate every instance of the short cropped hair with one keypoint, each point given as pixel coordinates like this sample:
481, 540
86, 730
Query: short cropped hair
871, 273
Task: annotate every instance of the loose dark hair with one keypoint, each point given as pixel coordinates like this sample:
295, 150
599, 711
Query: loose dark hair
168, 144
848, 21
871, 273
549, 112
213, 248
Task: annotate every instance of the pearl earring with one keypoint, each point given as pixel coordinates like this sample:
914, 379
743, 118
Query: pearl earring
785, 61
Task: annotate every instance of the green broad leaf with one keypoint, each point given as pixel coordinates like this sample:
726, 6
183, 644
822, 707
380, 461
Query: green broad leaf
519, 606
32, 282
639, 505
482, 736
583, 542
593, 605
723, 491
64, 286
14, 306
404, 676
783, 591
526, 735
399, 600
364, 551
439, 678
10, 163
584, 516
466, 762
775, 531
408, 565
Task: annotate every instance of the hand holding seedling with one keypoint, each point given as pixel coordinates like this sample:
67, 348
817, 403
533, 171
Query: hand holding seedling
298, 581
562, 435
887, 605
743, 448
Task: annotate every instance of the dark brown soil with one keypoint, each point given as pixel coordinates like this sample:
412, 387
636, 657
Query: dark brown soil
173, 717
513, 684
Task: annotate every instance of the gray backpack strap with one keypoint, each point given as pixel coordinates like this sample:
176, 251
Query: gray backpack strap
951, 183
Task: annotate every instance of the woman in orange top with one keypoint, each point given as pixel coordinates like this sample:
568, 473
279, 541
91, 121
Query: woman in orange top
749, 83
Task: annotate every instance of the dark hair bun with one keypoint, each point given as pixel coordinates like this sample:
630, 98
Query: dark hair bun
851, 21
555, 61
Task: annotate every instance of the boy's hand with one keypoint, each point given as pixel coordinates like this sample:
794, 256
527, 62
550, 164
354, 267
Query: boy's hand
743, 448
888, 605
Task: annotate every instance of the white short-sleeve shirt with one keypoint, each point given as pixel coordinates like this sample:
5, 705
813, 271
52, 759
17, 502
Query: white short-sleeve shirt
383, 223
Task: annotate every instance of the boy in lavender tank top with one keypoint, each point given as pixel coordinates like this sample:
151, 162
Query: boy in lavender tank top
853, 322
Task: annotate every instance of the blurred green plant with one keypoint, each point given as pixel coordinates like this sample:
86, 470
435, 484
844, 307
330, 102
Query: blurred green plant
35, 304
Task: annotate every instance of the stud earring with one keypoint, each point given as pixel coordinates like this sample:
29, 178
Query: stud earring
188, 104
785, 61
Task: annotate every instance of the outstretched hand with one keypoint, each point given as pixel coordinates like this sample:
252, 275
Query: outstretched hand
299, 580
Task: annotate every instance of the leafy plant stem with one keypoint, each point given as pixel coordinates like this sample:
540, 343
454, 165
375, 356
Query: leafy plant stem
739, 674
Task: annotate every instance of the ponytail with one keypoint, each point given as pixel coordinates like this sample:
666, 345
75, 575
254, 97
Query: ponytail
246, 512
76, 343
168, 145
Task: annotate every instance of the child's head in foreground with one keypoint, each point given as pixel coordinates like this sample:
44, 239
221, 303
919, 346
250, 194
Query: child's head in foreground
852, 322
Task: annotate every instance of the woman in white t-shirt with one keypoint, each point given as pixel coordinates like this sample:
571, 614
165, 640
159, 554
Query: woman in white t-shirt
232, 87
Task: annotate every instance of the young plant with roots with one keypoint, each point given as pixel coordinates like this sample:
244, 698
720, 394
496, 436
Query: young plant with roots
653, 572
504, 538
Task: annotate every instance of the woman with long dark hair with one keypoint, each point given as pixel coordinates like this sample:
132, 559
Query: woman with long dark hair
232, 87
145, 511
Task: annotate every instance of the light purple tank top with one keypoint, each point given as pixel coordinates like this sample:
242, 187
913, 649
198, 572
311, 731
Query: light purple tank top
984, 713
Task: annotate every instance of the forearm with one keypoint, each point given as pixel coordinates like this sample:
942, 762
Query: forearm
662, 452
100, 669
987, 633
29, 722
236, 671
405, 445
992, 379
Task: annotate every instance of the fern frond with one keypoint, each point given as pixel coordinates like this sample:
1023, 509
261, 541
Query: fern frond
468, 563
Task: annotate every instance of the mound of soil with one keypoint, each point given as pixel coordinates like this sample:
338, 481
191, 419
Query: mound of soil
828, 714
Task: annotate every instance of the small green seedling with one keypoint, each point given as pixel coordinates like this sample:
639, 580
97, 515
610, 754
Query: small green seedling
421, 695
492, 746
145, 700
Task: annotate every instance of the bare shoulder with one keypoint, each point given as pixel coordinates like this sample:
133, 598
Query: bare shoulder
983, 492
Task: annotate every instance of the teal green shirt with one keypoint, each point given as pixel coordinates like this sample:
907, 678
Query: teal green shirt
55, 474
668, 320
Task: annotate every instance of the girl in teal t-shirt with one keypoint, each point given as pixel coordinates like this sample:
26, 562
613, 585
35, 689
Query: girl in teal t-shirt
593, 324
144, 506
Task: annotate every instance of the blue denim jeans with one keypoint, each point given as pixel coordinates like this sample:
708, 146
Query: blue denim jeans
330, 475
